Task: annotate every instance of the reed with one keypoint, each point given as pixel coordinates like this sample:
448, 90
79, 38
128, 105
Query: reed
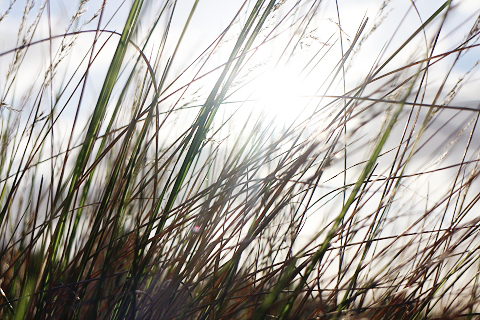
293, 167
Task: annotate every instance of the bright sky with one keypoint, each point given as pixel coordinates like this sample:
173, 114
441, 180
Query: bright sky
280, 90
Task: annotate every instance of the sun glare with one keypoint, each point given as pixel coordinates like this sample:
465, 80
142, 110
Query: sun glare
278, 94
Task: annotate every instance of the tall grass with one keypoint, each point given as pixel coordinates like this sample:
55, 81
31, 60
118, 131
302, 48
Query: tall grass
308, 161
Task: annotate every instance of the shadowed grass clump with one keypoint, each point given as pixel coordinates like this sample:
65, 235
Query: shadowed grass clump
308, 160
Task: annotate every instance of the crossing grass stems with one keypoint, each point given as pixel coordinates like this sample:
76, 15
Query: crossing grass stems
154, 194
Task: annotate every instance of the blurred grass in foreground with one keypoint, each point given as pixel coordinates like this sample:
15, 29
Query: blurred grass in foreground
290, 170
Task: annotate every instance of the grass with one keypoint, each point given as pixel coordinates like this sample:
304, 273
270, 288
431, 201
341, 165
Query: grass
308, 161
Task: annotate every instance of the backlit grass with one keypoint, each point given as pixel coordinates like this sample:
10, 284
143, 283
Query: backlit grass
259, 159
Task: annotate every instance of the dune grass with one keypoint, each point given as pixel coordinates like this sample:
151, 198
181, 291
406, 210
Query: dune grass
144, 176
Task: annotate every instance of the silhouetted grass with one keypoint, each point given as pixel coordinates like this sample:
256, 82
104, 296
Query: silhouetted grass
284, 172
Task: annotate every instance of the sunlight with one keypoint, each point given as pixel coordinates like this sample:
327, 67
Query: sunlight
278, 93
288, 159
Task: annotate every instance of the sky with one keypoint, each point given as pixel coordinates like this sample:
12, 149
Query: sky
272, 81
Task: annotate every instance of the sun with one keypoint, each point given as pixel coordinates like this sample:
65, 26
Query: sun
279, 93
